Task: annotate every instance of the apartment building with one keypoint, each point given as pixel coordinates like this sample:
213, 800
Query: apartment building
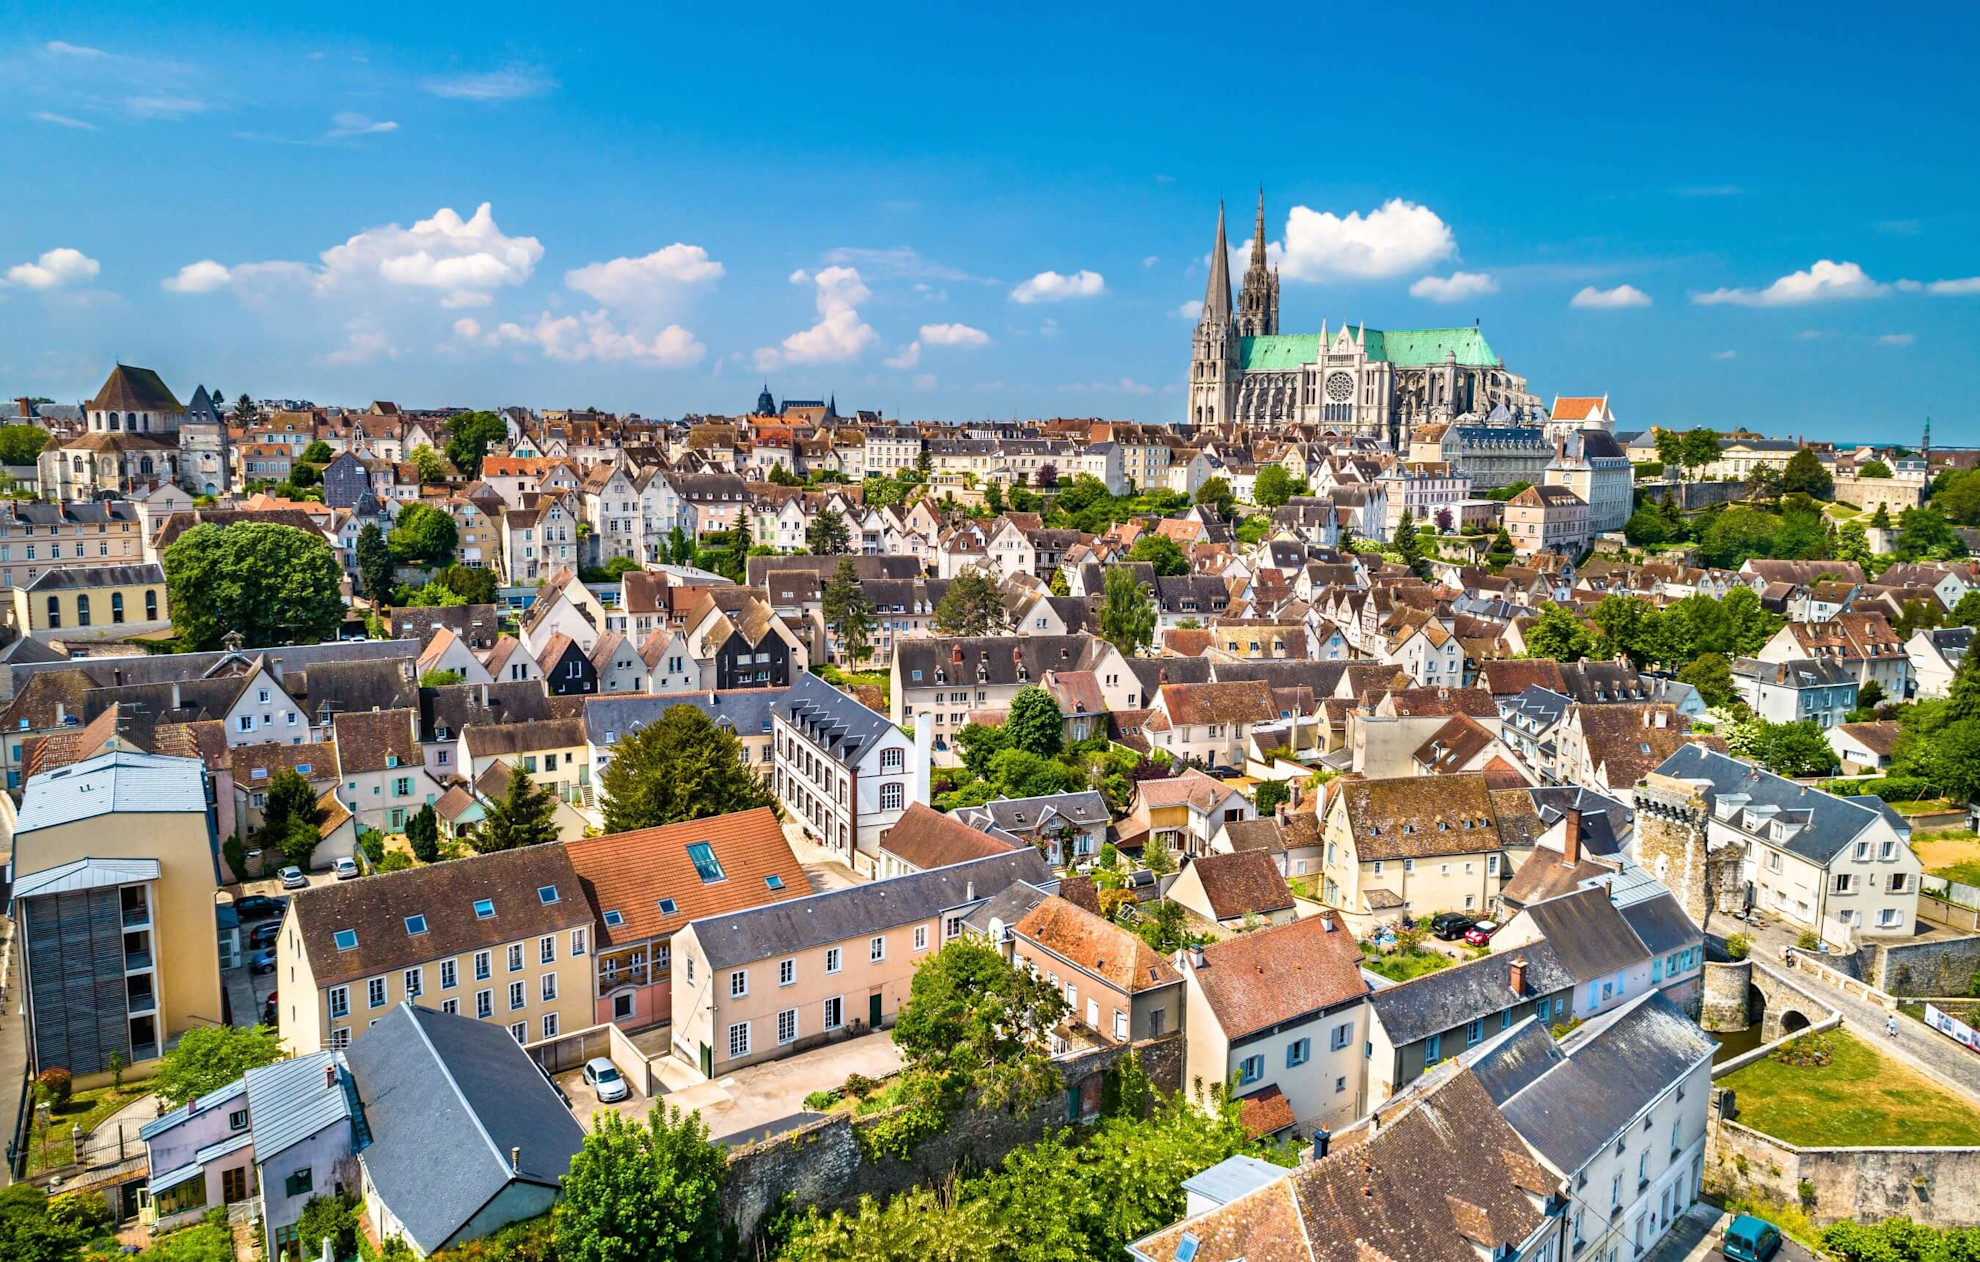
382, 774
843, 771
1113, 983
503, 937
1411, 846
36, 537
1419, 1024
97, 602
940, 680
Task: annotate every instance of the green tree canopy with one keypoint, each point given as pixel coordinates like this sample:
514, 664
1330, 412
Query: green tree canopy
423, 834
1925, 534
1127, 612
208, 1057
1275, 485
1738, 535
1873, 469
526, 815
1035, 724
374, 563
680, 766
21, 444
1646, 526
470, 435
1711, 674
423, 535
1805, 473
1160, 551
827, 535
472, 584
976, 1024
643, 1193
318, 452
849, 613
1217, 493
973, 605
273, 584
1670, 450
1701, 447
428, 464
1560, 634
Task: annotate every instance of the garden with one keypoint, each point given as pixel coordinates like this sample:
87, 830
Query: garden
1832, 1090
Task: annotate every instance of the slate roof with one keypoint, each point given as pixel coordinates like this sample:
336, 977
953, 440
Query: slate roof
289, 1101
1827, 824
448, 1099
1589, 933
1661, 925
95, 576
744, 711
997, 658
1102, 948
837, 915
831, 720
119, 781
1604, 820
129, 388
1450, 997
1242, 882
1257, 980
1018, 816
500, 739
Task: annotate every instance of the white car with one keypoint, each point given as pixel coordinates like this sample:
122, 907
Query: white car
293, 879
604, 1078
345, 869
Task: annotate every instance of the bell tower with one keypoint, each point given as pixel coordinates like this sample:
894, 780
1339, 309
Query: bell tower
1258, 300
1214, 364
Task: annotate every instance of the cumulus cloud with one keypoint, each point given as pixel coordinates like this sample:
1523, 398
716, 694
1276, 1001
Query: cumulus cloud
1191, 310
515, 83
1824, 281
363, 343
1960, 288
1620, 296
1397, 237
909, 356
839, 335
202, 277
55, 269
1053, 287
953, 335
1455, 287
1897, 339
654, 282
467, 328
594, 336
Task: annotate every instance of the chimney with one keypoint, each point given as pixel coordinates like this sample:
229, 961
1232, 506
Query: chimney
175, 694
1571, 843
1321, 1139
484, 696
956, 654
1196, 958
62, 711
1517, 979
969, 891
515, 1159
329, 1077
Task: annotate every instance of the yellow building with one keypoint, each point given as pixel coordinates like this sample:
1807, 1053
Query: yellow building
1415, 845
504, 937
115, 872
106, 602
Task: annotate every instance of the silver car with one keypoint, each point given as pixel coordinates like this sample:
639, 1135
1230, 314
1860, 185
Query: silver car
293, 879
604, 1078
346, 868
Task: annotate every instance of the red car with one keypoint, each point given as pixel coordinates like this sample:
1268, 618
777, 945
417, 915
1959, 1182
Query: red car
1481, 933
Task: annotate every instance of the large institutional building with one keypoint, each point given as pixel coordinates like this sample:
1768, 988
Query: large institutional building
1354, 382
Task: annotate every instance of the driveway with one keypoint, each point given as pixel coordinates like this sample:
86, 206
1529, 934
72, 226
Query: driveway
767, 1099
1699, 1235
585, 1104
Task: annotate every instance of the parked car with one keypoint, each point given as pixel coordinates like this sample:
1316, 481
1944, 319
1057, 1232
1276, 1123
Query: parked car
262, 961
265, 933
1750, 1239
1452, 925
293, 878
259, 906
345, 869
1481, 933
604, 1078
269, 1008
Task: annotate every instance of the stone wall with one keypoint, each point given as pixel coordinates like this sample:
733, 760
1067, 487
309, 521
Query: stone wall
1939, 1187
822, 1164
1725, 1007
1920, 969
1869, 494
1673, 842
1693, 495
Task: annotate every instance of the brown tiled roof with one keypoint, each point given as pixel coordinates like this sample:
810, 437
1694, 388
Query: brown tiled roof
926, 838
321, 759
205, 739
1256, 980
1512, 677
444, 893
1192, 786
1621, 742
1546, 875
1187, 641
1414, 816
1429, 702
47, 699
1519, 822
1104, 949
1879, 738
629, 873
1453, 745
1238, 701
495, 740
366, 740
1265, 1112
1080, 892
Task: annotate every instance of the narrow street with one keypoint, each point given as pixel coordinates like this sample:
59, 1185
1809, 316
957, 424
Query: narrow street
1916, 1044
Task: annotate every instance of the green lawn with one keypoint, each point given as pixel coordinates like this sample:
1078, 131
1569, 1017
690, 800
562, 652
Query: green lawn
1859, 1099
55, 1147
1925, 806
1400, 966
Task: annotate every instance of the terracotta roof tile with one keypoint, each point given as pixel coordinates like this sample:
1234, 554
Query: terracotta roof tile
629, 873
1106, 950
1256, 980
1242, 883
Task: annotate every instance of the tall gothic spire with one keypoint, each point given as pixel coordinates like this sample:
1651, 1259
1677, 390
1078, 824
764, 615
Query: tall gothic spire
1217, 297
1258, 299
1258, 233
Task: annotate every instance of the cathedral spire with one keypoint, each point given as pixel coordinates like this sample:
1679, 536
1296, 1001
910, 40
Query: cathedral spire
1258, 233
1217, 297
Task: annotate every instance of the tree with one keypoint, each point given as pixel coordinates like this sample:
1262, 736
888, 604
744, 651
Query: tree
1274, 486
1881, 519
1266, 797
303, 476
1559, 633
1127, 613
1059, 584
1873, 469
1444, 521
1646, 526
1737, 535
1670, 450
849, 613
1216, 493
1925, 534
643, 1193
524, 816
474, 585
1406, 542
328, 1217
1048, 473
1967, 612
1794, 749
1501, 552
1701, 447
1035, 724
1160, 551
273, 584
993, 497
428, 464
422, 534
1853, 543
680, 548
288, 797
680, 766
974, 1024
828, 535
971, 606
374, 563
1804, 473
1763, 482
780, 476
245, 412
1711, 675
318, 452
1620, 623
1918, 615
439, 678
470, 435
21, 444
208, 1057
423, 834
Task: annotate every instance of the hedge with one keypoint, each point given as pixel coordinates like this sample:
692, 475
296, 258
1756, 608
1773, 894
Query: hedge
1889, 788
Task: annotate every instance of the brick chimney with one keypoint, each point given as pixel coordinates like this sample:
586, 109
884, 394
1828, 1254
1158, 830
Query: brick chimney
329, 1077
1517, 976
955, 652
1571, 842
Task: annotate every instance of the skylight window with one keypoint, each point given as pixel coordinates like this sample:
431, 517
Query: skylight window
668, 907
347, 939
706, 865
774, 881
484, 909
614, 919
546, 894
415, 925
1186, 1248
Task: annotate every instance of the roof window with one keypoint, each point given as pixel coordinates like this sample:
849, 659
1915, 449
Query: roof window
415, 925
614, 919
346, 939
668, 907
774, 881
546, 894
706, 865
484, 909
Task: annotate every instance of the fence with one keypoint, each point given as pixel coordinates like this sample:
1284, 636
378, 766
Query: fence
1950, 891
570, 1051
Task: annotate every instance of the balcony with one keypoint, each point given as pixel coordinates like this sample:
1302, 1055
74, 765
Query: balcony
139, 1005
137, 961
144, 1051
137, 917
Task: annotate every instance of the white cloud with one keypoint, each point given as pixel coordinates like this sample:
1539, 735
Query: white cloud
348, 124
1191, 310
515, 83
924, 381
953, 335
909, 356
1824, 281
1897, 339
63, 120
169, 108
1397, 237
593, 336
1052, 287
1963, 287
900, 262
467, 328
202, 277
1725, 354
1608, 299
1126, 385
1151, 260
54, 269
1455, 287
660, 281
839, 335
61, 49
445, 252
364, 343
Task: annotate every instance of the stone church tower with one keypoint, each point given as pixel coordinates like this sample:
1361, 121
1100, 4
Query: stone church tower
1258, 301
1214, 364
1673, 841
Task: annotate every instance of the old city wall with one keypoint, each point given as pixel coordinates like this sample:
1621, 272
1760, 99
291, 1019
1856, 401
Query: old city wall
1939, 1187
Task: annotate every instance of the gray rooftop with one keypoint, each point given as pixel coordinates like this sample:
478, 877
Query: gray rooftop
1018, 816
746, 712
123, 780
1661, 925
1449, 997
86, 874
288, 1101
818, 920
1590, 935
1823, 824
831, 720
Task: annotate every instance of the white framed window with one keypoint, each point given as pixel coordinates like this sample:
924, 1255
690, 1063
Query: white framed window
448, 976
546, 949
579, 944
516, 996
835, 1011
1120, 1025
547, 984
451, 1006
549, 1025
515, 957
520, 1031
739, 1039
738, 983
340, 1001
374, 992
340, 1037
787, 1025
921, 937
831, 960
786, 972
481, 966
412, 982
484, 1004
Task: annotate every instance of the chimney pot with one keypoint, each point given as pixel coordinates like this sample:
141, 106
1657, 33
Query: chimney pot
956, 654
1571, 842
329, 1077
969, 891
515, 1159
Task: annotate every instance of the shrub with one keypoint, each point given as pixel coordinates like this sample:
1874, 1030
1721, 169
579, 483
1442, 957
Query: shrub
55, 1085
819, 1101
1739, 946
1808, 941
1889, 788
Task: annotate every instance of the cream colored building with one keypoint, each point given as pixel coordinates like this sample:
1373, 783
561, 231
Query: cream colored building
504, 937
1410, 846
102, 602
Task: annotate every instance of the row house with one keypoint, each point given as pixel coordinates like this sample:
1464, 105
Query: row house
941, 680
843, 771
1863, 644
539, 540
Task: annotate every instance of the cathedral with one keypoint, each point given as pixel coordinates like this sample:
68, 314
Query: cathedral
1353, 382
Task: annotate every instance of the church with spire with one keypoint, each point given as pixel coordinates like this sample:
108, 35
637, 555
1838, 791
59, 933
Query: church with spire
1351, 382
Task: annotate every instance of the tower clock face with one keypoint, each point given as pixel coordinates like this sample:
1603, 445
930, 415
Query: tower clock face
1340, 387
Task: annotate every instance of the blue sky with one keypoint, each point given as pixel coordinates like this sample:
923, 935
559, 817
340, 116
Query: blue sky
993, 210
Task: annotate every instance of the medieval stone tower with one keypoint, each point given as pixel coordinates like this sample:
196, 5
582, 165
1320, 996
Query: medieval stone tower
1673, 842
1214, 361
1258, 301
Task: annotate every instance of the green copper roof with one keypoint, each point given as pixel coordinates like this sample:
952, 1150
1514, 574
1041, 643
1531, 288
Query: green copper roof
1407, 348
